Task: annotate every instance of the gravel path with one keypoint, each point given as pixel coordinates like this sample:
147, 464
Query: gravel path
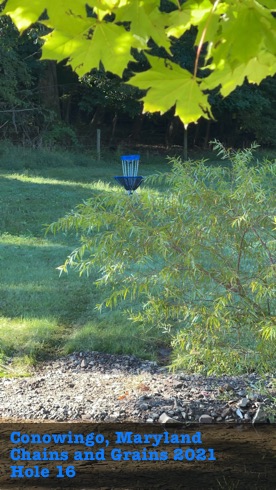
102, 387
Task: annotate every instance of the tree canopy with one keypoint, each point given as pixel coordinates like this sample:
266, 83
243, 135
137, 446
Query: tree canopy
236, 41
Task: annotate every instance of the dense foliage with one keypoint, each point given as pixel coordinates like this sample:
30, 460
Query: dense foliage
199, 257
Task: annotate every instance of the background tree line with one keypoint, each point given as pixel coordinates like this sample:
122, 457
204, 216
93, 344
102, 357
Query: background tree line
43, 103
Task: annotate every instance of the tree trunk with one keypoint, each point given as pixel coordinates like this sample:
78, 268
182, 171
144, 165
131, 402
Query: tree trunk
66, 108
98, 116
48, 87
196, 134
113, 129
185, 143
169, 132
137, 128
207, 135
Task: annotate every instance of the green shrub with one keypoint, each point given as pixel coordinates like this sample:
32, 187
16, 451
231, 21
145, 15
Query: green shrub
198, 258
60, 135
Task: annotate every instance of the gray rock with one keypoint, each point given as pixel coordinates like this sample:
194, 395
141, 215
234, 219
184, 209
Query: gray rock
111, 419
243, 402
116, 414
165, 419
260, 416
225, 412
145, 397
177, 385
228, 387
205, 419
239, 413
144, 406
241, 392
213, 414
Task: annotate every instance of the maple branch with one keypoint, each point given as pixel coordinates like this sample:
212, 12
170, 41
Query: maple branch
201, 42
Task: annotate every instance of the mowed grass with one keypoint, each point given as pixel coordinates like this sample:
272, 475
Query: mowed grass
42, 314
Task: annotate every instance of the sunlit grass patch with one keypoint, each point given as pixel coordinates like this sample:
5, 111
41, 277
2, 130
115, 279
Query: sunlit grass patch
114, 335
24, 341
99, 185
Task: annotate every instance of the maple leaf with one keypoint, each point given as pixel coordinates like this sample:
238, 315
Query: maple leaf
109, 44
255, 71
250, 54
243, 33
25, 13
170, 85
191, 13
61, 44
104, 7
63, 13
146, 21
269, 4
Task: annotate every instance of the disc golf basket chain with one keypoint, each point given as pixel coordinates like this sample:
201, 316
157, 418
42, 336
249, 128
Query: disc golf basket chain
130, 179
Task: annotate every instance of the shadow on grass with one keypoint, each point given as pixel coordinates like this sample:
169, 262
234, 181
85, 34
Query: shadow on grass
42, 313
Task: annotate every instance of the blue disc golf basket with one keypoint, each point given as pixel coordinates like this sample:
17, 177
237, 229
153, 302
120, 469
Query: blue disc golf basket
130, 179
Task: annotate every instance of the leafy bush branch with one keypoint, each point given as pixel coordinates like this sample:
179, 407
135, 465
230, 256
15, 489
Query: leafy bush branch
199, 258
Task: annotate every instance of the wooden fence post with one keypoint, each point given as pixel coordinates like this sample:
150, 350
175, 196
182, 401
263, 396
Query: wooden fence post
99, 144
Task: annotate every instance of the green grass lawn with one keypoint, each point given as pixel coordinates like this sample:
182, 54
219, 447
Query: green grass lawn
41, 313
